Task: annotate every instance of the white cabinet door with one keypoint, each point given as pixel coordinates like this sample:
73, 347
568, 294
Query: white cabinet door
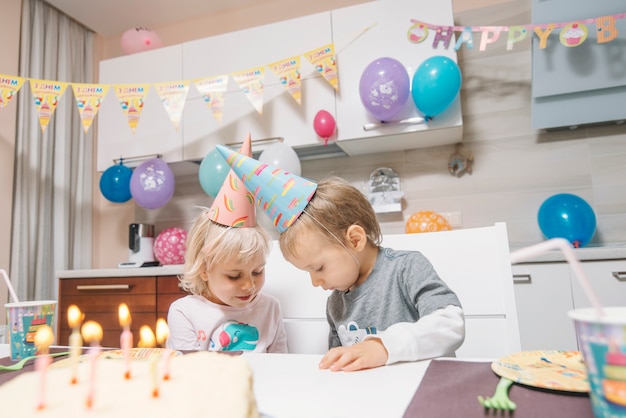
608, 280
389, 21
260, 46
155, 133
544, 296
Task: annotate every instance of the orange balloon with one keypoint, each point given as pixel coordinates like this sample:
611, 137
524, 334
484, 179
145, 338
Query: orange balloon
426, 221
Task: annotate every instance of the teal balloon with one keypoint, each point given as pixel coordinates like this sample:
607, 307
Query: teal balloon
436, 83
567, 216
115, 183
213, 172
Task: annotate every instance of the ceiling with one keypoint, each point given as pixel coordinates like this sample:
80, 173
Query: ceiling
114, 17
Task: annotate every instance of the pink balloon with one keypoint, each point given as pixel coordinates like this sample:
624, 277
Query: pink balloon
324, 125
170, 246
139, 40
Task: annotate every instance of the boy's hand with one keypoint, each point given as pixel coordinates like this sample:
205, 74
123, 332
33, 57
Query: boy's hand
364, 355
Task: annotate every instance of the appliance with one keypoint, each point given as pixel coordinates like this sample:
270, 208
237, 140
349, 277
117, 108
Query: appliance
140, 246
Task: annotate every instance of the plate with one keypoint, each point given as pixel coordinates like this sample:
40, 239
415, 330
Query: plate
556, 370
135, 354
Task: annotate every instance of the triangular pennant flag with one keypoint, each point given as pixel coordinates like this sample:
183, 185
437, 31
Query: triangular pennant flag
234, 203
131, 98
9, 86
288, 72
280, 194
46, 94
325, 63
173, 95
251, 83
212, 90
89, 97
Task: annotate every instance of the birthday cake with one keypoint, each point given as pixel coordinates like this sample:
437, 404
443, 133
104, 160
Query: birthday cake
200, 384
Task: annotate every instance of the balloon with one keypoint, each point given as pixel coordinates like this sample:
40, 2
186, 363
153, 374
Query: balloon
139, 40
436, 83
115, 183
567, 216
426, 221
384, 88
282, 156
213, 172
324, 125
170, 246
152, 183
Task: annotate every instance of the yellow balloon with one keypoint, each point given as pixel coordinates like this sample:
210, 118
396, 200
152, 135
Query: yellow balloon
426, 221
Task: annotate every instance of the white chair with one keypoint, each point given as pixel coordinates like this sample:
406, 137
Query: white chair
474, 262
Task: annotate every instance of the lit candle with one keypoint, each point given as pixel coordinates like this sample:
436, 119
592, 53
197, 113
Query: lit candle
162, 332
147, 340
92, 334
126, 339
43, 338
75, 318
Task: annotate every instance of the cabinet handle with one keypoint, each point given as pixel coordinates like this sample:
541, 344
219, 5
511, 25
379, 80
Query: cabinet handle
620, 275
522, 279
103, 287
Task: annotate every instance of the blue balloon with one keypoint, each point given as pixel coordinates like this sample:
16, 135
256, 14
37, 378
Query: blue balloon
567, 216
213, 172
436, 83
115, 183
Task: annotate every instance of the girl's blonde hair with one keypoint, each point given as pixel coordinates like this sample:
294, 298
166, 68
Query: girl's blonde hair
209, 244
335, 206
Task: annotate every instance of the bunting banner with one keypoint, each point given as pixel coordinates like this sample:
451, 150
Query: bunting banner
173, 96
212, 90
288, 72
46, 95
325, 63
251, 83
89, 97
572, 33
131, 98
9, 86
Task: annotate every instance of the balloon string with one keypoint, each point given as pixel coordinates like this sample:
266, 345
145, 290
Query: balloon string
356, 36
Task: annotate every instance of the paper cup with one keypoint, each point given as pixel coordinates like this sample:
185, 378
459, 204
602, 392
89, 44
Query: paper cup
23, 320
602, 341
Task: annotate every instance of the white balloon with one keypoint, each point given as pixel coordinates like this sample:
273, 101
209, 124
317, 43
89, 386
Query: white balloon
282, 156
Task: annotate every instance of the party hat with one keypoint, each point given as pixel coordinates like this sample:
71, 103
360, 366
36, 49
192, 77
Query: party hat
282, 195
234, 204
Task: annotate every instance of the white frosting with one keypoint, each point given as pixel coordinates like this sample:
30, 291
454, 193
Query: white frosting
200, 384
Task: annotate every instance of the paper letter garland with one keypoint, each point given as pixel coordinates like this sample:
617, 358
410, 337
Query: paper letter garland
251, 83
325, 63
46, 95
212, 90
9, 86
89, 97
131, 98
288, 72
173, 96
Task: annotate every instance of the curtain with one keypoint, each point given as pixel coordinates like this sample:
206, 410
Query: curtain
53, 170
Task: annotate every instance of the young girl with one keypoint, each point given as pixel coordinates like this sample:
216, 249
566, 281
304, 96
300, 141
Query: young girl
225, 271
386, 306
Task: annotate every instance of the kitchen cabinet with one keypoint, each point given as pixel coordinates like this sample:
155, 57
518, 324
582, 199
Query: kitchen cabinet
388, 23
155, 133
148, 298
608, 280
543, 294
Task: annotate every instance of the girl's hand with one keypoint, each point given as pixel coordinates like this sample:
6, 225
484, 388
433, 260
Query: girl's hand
364, 355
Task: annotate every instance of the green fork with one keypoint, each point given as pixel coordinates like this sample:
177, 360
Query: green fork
500, 399
20, 364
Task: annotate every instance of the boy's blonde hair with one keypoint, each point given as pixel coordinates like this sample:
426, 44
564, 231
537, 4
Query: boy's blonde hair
335, 206
210, 244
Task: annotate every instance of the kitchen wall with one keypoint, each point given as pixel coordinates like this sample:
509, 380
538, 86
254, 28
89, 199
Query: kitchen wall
515, 167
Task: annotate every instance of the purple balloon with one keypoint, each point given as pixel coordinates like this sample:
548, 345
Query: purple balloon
152, 184
384, 88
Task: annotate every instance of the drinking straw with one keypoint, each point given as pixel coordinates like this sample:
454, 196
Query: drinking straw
9, 286
566, 248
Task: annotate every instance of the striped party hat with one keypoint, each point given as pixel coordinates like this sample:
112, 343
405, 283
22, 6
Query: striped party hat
282, 195
234, 204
